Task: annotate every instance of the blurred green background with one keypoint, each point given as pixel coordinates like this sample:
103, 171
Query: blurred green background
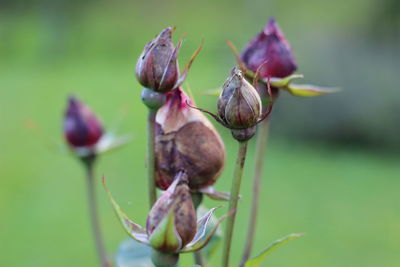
333, 162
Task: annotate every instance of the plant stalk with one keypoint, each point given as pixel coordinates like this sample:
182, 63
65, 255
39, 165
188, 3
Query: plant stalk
235, 190
93, 213
261, 143
150, 156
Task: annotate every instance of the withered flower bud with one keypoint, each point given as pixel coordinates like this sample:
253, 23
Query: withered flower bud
81, 127
157, 67
172, 222
186, 140
239, 105
270, 46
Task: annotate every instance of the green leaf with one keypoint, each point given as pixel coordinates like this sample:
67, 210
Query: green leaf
257, 260
309, 90
136, 231
133, 254
165, 237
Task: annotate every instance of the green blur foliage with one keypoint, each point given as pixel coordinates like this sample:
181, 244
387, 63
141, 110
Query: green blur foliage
344, 199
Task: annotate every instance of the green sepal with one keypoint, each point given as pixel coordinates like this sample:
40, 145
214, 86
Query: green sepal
209, 250
202, 236
283, 82
257, 260
133, 229
309, 90
165, 236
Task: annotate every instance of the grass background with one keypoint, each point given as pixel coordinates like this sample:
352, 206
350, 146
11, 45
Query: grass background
344, 195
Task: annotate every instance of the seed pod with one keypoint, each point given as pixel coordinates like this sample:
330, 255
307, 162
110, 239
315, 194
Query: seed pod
186, 140
239, 105
270, 46
172, 222
81, 127
157, 67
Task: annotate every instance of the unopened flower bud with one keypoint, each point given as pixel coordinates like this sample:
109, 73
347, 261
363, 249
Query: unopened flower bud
239, 105
81, 127
186, 140
270, 46
172, 222
157, 67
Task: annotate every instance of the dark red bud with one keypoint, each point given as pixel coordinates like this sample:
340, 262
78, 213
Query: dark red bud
81, 127
270, 46
157, 67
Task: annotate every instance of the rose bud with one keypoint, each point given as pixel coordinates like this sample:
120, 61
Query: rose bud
174, 208
157, 67
172, 225
186, 140
239, 105
81, 127
270, 46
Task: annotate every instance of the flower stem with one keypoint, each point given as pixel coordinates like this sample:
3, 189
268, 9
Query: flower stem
235, 189
150, 156
261, 143
92, 205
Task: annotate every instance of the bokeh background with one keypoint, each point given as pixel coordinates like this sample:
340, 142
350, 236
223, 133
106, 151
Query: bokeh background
333, 162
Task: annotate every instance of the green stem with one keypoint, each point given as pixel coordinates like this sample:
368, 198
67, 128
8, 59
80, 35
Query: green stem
150, 156
162, 259
261, 143
235, 189
92, 205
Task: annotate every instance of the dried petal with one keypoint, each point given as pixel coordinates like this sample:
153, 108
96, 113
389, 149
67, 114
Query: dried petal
186, 140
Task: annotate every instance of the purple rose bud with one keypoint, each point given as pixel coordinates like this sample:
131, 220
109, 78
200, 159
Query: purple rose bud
157, 67
270, 46
81, 127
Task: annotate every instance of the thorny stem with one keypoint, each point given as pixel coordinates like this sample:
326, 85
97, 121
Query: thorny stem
261, 143
150, 156
92, 205
235, 190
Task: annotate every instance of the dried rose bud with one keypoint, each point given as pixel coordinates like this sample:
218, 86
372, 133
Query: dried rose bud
157, 67
239, 105
81, 127
270, 46
172, 221
186, 140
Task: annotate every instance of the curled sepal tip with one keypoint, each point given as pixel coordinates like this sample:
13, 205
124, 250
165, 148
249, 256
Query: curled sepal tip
202, 236
134, 230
